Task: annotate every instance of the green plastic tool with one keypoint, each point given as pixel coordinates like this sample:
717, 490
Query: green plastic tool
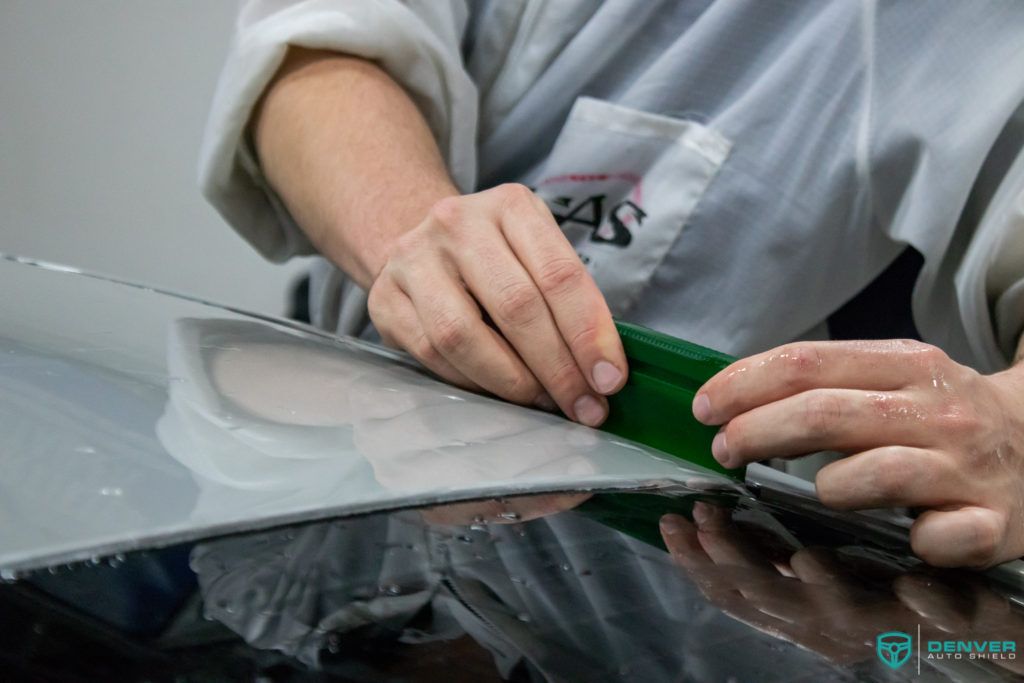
654, 407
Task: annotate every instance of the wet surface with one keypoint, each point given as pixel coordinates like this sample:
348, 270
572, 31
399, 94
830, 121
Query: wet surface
194, 494
605, 587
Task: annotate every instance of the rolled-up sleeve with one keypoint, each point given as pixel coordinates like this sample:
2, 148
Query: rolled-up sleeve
417, 42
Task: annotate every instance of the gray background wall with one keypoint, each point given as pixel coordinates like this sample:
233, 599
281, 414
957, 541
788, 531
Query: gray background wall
102, 105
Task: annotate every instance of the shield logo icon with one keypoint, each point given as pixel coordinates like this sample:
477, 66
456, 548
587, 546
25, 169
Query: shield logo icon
893, 648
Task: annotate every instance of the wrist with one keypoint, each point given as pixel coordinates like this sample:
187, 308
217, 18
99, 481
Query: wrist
350, 155
365, 232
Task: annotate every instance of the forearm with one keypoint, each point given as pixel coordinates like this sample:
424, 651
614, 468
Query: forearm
350, 155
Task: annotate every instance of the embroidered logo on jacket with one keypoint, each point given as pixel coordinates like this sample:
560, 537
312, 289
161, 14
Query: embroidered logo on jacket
609, 222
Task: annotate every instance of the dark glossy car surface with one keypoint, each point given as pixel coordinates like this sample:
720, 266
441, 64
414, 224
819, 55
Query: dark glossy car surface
196, 494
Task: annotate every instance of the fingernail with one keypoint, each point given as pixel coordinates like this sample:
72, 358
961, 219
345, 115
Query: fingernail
720, 449
670, 525
545, 402
606, 376
588, 410
701, 514
702, 408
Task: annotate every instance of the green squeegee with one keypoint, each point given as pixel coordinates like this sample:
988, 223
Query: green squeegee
653, 408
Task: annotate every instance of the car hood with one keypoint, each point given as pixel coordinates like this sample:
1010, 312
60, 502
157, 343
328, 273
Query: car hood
133, 418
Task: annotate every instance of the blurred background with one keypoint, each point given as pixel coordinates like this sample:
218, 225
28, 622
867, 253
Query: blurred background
102, 106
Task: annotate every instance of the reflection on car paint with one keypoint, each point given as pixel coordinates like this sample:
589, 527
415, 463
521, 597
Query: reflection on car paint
581, 587
132, 418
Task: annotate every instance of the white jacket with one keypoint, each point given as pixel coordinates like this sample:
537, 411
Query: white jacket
731, 171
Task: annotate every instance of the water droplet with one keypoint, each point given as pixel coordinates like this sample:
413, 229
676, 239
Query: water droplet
464, 539
8, 575
88, 450
566, 567
390, 589
114, 491
510, 516
523, 617
477, 527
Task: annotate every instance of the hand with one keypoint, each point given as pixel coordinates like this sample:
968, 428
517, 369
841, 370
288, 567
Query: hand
499, 255
811, 599
827, 604
435, 289
922, 431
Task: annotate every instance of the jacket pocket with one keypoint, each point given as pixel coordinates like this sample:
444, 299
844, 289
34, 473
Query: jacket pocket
622, 184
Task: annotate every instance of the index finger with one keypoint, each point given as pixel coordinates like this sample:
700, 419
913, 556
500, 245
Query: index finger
787, 370
577, 305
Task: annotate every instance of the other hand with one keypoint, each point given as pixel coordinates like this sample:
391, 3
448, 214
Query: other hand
829, 602
921, 431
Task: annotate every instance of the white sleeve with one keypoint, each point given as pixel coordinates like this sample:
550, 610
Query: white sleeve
990, 280
416, 41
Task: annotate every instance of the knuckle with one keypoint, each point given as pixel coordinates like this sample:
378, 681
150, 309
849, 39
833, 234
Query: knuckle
585, 337
564, 378
821, 413
561, 275
959, 422
448, 211
519, 304
903, 345
519, 387
927, 355
423, 350
450, 333
803, 357
803, 361
514, 195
